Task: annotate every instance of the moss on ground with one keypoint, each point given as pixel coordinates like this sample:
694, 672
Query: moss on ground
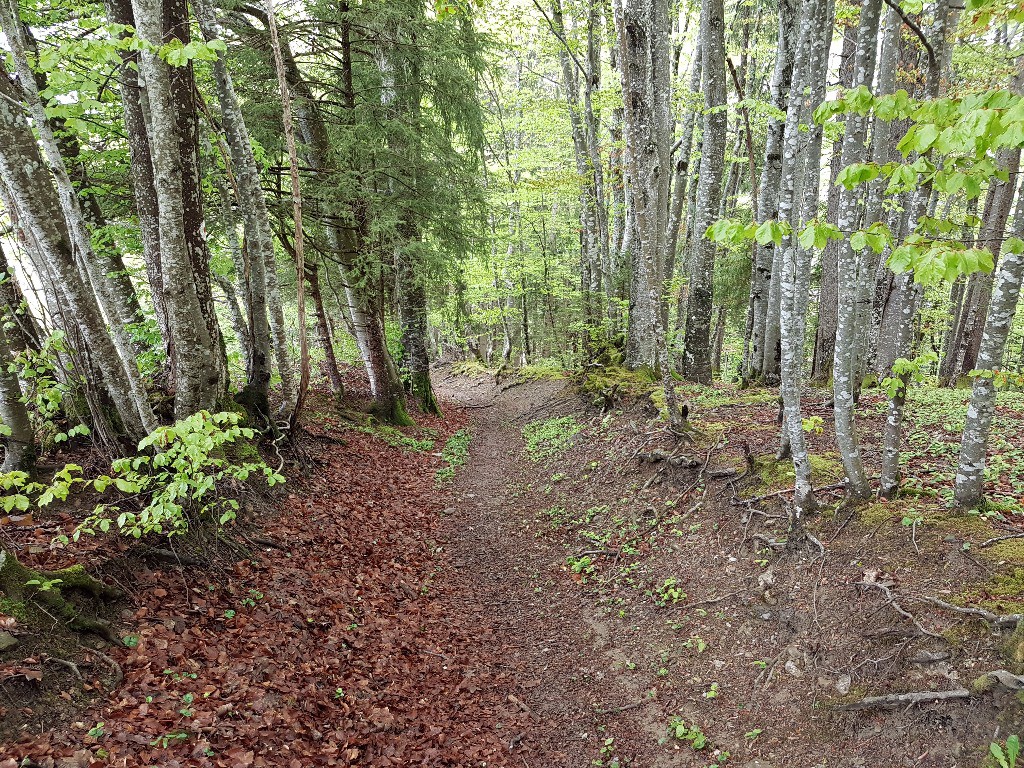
776, 474
625, 382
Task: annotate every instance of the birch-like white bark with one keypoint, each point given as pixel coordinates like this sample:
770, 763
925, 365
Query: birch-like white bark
854, 150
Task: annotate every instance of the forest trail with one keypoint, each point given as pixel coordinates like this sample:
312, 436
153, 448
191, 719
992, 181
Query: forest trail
561, 647
584, 609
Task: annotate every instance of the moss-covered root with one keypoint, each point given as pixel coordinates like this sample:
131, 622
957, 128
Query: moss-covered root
391, 410
28, 587
423, 391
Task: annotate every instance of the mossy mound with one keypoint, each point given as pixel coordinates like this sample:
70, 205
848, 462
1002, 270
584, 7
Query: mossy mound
777, 474
626, 383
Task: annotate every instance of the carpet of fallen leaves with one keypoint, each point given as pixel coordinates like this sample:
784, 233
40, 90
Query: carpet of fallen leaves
332, 647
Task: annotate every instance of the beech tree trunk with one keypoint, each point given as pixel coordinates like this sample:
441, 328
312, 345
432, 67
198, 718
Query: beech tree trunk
854, 151
768, 199
259, 242
970, 476
199, 374
143, 184
645, 62
697, 354
807, 91
19, 445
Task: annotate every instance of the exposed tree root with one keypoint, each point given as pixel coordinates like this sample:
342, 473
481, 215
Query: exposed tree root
994, 619
899, 700
47, 591
891, 600
998, 678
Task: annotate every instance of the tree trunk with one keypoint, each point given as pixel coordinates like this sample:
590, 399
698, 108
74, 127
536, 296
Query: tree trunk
198, 351
970, 476
143, 185
259, 242
771, 177
19, 444
697, 354
323, 332
645, 61
810, 69
854, 150
907, 294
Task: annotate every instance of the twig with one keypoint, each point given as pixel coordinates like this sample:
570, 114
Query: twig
891, 599
912, 25
1008, 620
713, 600
898, 700
997, 539
623, 708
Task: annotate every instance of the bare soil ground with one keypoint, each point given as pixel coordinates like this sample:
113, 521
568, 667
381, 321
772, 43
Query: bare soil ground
765, 646
586, 608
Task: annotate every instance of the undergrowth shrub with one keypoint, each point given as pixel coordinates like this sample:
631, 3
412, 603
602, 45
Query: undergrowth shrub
192, 475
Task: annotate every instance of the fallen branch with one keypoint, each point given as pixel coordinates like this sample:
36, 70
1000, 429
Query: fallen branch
995, 619
997, 539
891, 600
899, 700
617, 710
997, 678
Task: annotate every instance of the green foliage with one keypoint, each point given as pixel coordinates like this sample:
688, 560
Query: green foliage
913, 370
153, 357
43, 391
691, 734
549, 437
396, 438
454, 454
189, 476
669, 593
1005, 755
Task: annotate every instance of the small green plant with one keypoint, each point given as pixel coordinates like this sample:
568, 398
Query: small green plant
96, 731
751, 736
229, 613
168, 739
813, 424
454, 454
582, 565
339, 693
43, 585
712, 692
912, 518
691, 734
254, 596
45, 389
696, 643
549, 437
669, 593
130, 641
187, 700
1006, 758
189, 474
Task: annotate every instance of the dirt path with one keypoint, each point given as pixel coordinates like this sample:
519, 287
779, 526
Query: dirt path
385, 617
567, 663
